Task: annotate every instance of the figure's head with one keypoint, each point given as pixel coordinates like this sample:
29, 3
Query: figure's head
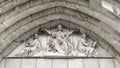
36, 36
59, 27
84, 35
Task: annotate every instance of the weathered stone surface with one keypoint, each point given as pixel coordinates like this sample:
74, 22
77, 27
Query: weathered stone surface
1, 57
31, 25
8, 7
14, 27
94, 21
75, 1
44, 1
107, 13
72, 12
15, 19
4, 34
59, 9
118, 57
10, 13
93, 36
10, 22
84, 30
24, 6
25, 36
25, 21
93, 63
13, 63
117, 63
4, 43
108, 29
9, 48
35, 2
103, 43
59, 63
1, 3
37, 15
35, 30
102, 51
49, 11
106, 63
35, 9
116, 45
1, 46
21, 30
11, 37
57, 16
96, 5
78, 63
83, 2
21, 1
2, 27
101, 17
63, 22
1, 19
112, 51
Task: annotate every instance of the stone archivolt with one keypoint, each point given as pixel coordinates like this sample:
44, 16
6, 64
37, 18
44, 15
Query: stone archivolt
102, 15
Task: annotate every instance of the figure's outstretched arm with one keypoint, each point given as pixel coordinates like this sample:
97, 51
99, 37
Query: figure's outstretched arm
48, 31
69, 33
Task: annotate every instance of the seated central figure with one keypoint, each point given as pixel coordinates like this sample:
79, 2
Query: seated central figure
59, 41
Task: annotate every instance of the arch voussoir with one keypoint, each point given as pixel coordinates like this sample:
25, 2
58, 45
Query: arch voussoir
73, 6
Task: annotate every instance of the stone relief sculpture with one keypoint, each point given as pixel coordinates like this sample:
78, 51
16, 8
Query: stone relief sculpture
32, 49
59, 44
84, 46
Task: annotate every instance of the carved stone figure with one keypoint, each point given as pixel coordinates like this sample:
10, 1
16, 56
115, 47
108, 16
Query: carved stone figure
59, 41
84, 46
31, 49
60, 44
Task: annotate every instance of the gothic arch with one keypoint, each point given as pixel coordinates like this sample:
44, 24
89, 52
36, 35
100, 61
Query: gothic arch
31, 25
65, 16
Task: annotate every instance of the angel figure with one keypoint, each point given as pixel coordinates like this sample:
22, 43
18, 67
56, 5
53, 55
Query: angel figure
84, 46
31, 49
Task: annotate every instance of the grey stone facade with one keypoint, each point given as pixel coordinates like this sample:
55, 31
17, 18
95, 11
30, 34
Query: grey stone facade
21, 19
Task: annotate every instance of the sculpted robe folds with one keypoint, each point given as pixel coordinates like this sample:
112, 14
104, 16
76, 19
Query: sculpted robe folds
59, 43
60, 40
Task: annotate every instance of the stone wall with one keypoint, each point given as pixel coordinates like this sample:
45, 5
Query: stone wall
59, 63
